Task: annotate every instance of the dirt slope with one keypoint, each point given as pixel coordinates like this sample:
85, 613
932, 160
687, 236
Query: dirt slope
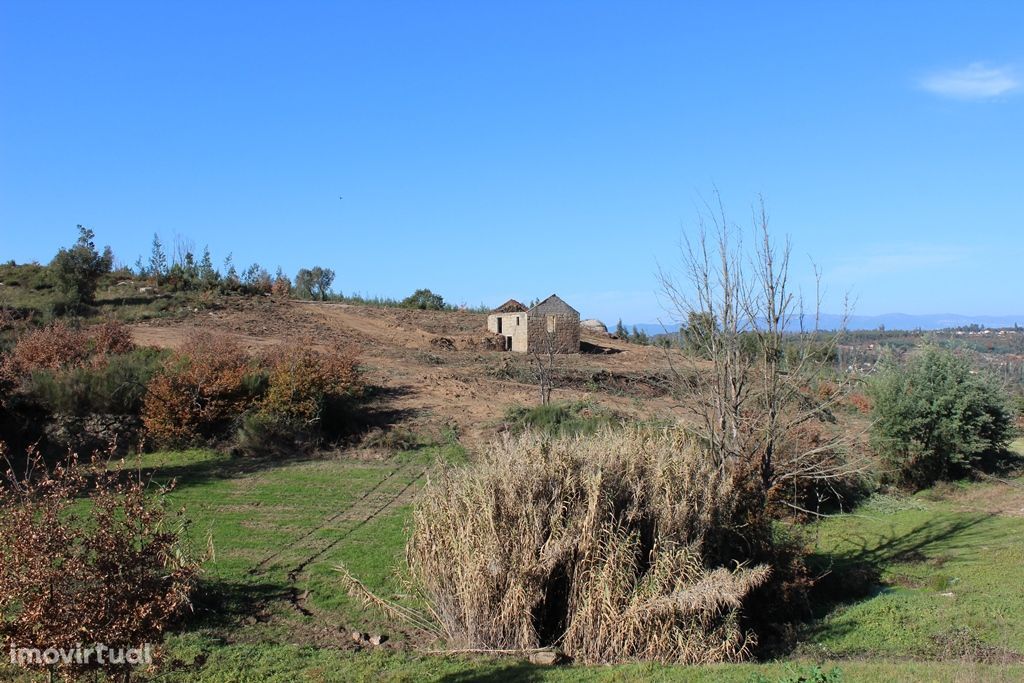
435, 369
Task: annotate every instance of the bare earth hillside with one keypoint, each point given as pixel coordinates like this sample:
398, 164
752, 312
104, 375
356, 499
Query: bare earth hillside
437, 369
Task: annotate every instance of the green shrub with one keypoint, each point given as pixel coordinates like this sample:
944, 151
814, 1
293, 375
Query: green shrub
313, 283
265, 434
935, 417
560, 418
77, 270
117, 386
425, 300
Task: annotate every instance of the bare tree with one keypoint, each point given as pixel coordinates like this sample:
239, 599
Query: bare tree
544, 365
758, 375
184, 250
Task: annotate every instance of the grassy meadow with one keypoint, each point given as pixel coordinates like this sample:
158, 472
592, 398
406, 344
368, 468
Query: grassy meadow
949, 563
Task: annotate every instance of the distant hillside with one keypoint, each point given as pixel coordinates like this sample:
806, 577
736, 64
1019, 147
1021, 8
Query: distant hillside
891, 321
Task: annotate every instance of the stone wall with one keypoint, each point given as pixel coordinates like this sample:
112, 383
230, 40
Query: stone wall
550, 325
561, 331
512, 325
554, 322
94, 433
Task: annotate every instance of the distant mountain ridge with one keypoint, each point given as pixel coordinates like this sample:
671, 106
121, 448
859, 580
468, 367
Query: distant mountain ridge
891, 321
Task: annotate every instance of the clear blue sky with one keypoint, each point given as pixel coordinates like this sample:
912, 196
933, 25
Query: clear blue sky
490, 150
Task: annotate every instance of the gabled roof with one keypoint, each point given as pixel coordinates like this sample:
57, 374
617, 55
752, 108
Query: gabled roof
554, 302
510, 306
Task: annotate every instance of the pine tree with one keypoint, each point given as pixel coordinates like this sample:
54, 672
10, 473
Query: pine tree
230, 274
78, 269
208, 275
157, 260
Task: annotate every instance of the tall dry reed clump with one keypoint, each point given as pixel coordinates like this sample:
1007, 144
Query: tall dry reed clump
599, 545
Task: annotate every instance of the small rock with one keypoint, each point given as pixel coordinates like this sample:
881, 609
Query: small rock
378, 639
360, 637
546, 657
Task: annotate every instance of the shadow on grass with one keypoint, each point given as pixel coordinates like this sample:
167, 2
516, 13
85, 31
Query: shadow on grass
377, 410
517, 671
1004, 463
220, 603
854, 573
217, 468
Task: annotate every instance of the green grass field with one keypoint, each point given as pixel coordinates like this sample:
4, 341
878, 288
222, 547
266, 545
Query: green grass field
951, 574
272, 608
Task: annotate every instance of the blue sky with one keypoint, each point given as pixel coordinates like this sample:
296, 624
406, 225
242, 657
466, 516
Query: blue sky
494, 150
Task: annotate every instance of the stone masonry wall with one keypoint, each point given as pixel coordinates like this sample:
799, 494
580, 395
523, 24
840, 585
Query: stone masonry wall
564, 339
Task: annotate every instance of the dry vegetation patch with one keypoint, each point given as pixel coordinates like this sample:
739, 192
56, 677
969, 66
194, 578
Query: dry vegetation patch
600, 546
88, 555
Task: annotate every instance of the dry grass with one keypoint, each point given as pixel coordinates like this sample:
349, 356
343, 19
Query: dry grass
596, 545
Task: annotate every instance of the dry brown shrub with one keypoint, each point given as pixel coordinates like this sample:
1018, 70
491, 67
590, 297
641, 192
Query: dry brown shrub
799, 490
197, 390
56, 346
282, 287
112, 570
599, 545
302, 380
111, 337
59, 346
861, 402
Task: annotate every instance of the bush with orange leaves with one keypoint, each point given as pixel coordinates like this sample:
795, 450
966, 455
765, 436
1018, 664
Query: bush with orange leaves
58, 351
110, 337
309, 396
861, 403
59, 346
302, 382
198, 391
282, 287
54, 347
114, 571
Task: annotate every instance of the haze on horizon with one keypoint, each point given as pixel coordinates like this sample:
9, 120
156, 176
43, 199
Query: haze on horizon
514, 150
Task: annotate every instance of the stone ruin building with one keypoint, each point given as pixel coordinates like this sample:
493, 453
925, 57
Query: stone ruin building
550, 325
